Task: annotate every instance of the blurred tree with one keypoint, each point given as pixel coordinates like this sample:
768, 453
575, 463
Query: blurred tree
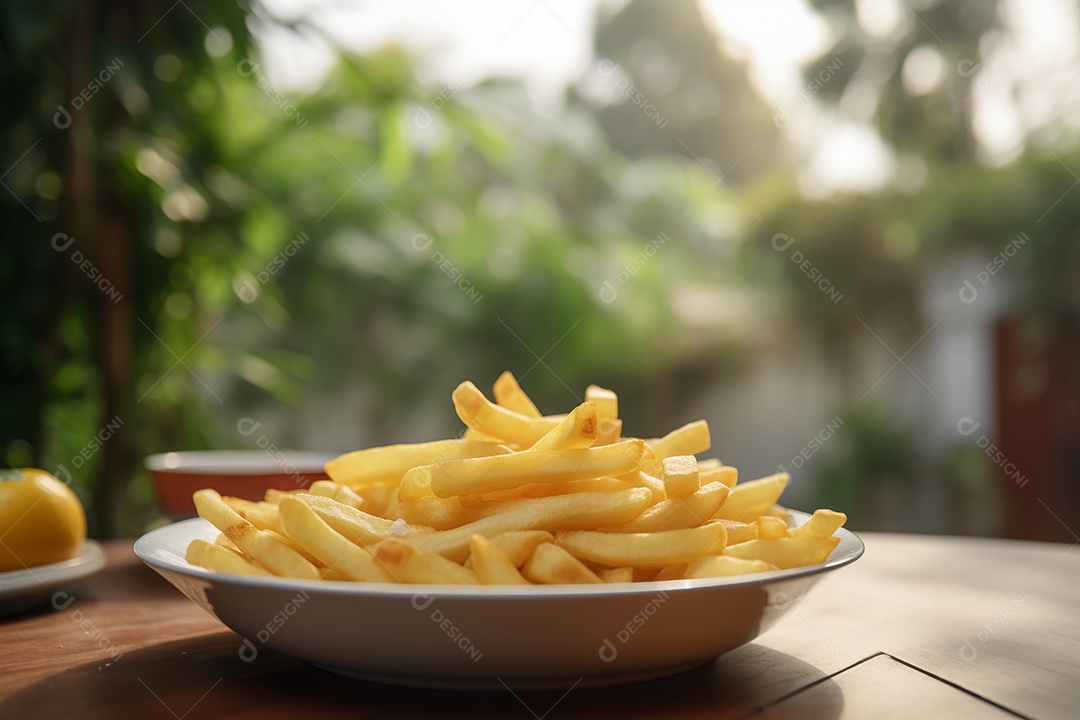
660, 84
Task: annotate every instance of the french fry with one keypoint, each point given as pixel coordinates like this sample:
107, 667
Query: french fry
726, 566
335, 491
680, 475
654, 550
678, 512
822, 524
617, 575
582, 510
517, 545
690, 439
260, 545
535, 490
262, 515
749, 500
509, 394
357, 526
739, 532
222, 559
439, 513
718, 473
491, 566
389, 463
551, 564
376, 498
769, 527
482, 475
303, 525
408, 564
576, 431
609, 426
671, 572
786, 552
493, 420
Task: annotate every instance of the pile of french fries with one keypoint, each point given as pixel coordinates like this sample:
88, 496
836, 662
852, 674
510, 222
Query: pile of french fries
521, 498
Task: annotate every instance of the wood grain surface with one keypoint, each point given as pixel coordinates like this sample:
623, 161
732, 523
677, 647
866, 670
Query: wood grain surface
919, 627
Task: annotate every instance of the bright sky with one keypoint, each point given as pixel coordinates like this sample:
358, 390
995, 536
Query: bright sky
548, 45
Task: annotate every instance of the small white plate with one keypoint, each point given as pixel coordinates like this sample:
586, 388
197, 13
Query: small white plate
493, 637
23, 589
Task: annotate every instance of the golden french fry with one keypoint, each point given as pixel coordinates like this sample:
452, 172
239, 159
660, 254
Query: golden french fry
617, 575
440, 513
769, 527
357, 526
823, 523
535, 490
482, 475
577, 430
260, 545
671, 572
304, 525
640, 478
726, 566
690, 439
680, 475
709, 464
341, 493
517, 545
262, 515
509, 394
678, 512
493, 420
786, 552
655, 550
376, 498
491, 565
719, 473
389, 463
551, 565
749, 500
222, 559
609, 426
225, 542
739, 532
410, 565
582, 510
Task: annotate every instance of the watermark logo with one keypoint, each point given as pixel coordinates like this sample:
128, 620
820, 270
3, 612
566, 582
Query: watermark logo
422, 601
816, 443
782, 116
62, 601
608, 292
608, 650
247, 426
968, 651
248, 68
422, 118
968, 427
608, 68
422, 243
62, 117
248, 651
61, 242
968, 292
781, 242
248, 291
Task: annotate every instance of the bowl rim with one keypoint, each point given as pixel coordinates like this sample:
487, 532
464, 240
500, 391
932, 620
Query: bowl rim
238, 463
149, 549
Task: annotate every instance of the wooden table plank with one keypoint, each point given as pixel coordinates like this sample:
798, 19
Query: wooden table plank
915, 598
925, 599
884, 689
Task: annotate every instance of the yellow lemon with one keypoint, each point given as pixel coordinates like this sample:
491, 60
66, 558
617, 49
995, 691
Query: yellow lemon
41, 520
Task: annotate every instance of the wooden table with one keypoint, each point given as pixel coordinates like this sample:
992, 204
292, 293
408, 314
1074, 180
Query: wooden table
919, 627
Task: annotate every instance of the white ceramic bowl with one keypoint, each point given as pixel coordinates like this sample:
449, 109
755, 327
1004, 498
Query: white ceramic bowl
524, 638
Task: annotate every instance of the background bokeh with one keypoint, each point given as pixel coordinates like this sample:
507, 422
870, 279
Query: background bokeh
844, 233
